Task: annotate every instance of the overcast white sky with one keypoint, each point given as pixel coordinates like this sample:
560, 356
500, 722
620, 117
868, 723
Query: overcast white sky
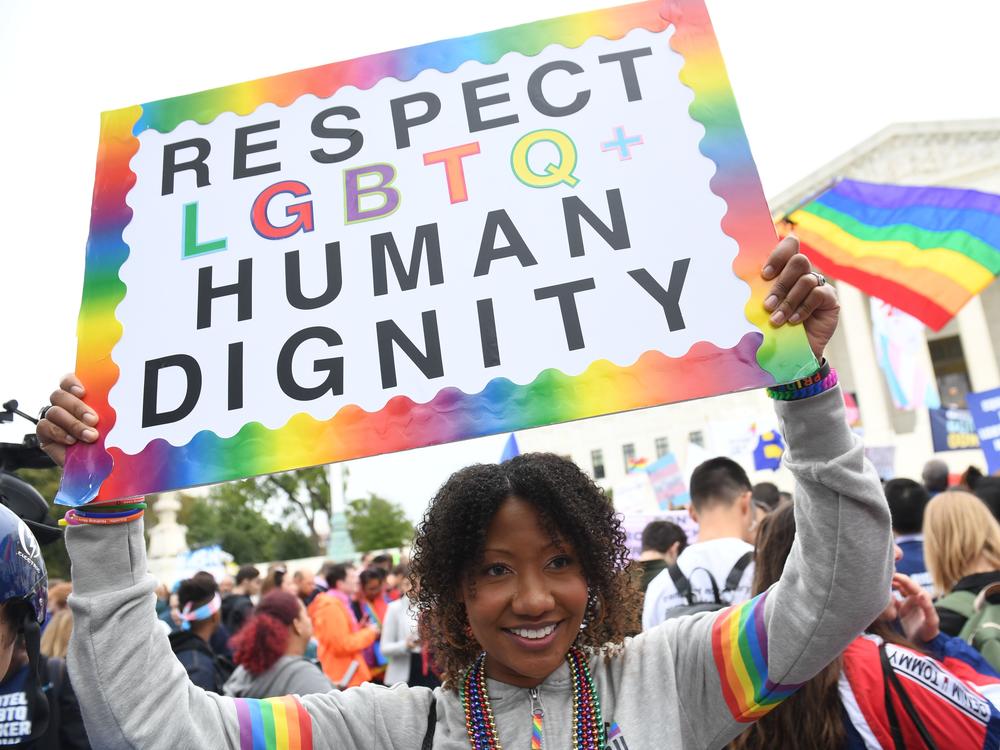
811, 79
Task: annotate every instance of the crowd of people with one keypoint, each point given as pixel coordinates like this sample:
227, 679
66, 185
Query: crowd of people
850, 615
932, 656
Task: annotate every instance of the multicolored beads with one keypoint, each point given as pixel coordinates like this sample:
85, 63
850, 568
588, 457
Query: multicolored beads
588, 723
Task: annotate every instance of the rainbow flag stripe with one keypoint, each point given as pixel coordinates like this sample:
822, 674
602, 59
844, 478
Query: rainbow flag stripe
273, 724
762, 358
536, 732
739, 645
925, 250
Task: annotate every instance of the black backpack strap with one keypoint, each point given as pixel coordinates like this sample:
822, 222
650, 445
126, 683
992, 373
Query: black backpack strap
428, 742
681, 583
736, 574
891, 678
56, 668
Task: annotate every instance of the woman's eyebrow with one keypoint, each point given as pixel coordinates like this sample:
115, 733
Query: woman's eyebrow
554, 544
497, 550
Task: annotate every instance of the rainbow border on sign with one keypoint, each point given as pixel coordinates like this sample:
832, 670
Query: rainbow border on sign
760, 359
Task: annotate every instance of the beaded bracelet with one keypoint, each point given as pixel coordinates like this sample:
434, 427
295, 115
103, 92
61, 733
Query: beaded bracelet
783, 393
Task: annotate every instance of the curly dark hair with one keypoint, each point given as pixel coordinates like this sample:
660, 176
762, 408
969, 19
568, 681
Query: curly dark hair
450, 540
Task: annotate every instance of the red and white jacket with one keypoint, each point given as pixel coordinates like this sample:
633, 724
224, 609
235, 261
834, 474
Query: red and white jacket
954, 693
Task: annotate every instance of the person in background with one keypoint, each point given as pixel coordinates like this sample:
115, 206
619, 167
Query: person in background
276, 579
784, 497
937, 686
408, 661
370, 606
970, 479
988, 490
961, 549
38, 707
935, 476
55, 639
200, 617
721, 504
220, 638
59, 596
162, 599
238, 605
226, 584
320, 584
907, 500
766, 494
383, 561
341, 638
394, 581
269, 652
305, 584
662, 542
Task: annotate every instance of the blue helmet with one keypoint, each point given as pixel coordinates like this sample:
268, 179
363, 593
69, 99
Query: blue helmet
22, 569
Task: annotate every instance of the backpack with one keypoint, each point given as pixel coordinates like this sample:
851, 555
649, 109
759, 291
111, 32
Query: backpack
982, 620
683, 586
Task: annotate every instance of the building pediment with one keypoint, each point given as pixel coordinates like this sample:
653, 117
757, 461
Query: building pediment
934, 153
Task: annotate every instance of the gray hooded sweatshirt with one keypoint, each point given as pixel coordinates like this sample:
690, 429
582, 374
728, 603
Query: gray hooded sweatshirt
692, 682
290, 675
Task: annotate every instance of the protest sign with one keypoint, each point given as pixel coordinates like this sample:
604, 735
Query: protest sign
668, 482
985, 409
539, 224
952, 430
883, 458
634, 523
770, 448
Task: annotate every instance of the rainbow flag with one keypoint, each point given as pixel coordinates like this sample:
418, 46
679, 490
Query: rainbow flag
925, 250
636, 464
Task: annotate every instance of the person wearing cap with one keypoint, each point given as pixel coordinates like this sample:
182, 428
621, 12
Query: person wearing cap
38, 708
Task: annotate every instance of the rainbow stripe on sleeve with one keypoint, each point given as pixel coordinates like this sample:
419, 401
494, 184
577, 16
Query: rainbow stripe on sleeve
273, 724
764, 357
739, 645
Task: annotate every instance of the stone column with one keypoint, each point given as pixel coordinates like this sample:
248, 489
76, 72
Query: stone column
977, 345
167, 540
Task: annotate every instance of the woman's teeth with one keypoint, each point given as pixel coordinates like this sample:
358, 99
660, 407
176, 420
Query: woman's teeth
533, 634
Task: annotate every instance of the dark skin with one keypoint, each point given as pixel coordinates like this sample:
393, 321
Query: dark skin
205, 628
528, 580
372, 589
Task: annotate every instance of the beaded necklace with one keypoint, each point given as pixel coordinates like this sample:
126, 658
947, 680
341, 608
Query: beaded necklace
588, 724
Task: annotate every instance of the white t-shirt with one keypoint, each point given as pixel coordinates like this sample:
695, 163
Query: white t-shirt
717, 556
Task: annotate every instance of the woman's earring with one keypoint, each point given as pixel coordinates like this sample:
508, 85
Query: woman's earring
591, 610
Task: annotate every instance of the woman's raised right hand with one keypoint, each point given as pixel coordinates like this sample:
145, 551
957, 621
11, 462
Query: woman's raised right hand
67, 420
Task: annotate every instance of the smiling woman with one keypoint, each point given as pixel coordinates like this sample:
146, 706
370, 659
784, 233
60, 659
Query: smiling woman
533, 548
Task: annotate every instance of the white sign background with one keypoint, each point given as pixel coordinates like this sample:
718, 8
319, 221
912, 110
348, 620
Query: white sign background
664, 189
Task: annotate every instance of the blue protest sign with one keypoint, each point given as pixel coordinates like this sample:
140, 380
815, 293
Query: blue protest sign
952, 430
769, 450
985, 408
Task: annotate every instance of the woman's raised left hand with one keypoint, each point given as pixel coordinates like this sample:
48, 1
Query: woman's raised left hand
800, 295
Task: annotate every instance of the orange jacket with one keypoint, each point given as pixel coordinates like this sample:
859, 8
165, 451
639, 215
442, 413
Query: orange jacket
338, 646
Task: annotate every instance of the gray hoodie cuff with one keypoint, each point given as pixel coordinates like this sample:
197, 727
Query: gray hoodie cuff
815, 428
106, 558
